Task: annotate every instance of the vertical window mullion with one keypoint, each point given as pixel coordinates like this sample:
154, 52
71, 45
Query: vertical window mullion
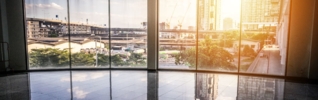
152, 34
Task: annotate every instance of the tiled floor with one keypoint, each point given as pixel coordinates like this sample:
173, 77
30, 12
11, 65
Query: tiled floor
143, 85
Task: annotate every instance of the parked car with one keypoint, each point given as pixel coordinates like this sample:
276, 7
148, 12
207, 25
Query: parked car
119, 50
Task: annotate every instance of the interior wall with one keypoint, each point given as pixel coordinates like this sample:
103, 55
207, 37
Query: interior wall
299, 50
314, 49
3, 34
2, 67
15, 19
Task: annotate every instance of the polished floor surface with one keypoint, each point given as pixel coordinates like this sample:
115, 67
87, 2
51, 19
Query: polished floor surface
143, 85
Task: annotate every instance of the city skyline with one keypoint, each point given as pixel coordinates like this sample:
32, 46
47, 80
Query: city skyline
124, 13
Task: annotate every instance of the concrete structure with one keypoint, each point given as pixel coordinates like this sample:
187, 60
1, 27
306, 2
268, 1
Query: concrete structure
38, 27
63, 44
35, 30
282, 30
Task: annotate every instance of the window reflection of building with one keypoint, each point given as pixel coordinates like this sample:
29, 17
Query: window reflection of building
207, 86
257, 88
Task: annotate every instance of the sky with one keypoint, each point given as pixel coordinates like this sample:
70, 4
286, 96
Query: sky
124, 13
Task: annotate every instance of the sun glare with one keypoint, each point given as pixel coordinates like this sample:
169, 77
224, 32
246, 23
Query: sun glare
231, 8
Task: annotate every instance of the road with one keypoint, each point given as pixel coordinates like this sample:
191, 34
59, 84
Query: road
269, 64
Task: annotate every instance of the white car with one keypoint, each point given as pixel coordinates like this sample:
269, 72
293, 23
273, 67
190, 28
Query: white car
119, 50
139, 51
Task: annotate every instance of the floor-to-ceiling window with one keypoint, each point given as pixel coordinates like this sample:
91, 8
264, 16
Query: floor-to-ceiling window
248, 36
88, 33
264, 36
45, 24
177, 34
128, 33
218, 31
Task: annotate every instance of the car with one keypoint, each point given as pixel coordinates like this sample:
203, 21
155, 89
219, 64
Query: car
119, 50
138, 51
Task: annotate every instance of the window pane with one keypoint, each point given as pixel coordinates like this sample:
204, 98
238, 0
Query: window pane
264, 36
45, 22
89, 33
177, 34
218, 35
128, 33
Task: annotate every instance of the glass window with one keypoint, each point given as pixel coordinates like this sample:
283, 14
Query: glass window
177, 34
128, 37
43, 49
268, 39
193, 34
217, 46
89, 35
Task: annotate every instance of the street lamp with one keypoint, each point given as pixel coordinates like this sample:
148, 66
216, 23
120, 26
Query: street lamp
93, 36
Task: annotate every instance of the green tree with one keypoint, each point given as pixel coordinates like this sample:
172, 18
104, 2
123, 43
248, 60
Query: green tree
103, 60
260, 37
83, 59
136, 58
48, 58
60, 58
248, 51
116, 60
53, 34
228, 38
210, 56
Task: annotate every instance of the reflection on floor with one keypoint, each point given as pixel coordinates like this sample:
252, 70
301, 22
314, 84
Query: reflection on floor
143, 85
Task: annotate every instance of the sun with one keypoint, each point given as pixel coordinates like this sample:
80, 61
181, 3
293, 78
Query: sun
231, 8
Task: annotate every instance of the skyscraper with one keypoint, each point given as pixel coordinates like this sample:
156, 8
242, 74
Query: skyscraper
259, 14
209, 14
